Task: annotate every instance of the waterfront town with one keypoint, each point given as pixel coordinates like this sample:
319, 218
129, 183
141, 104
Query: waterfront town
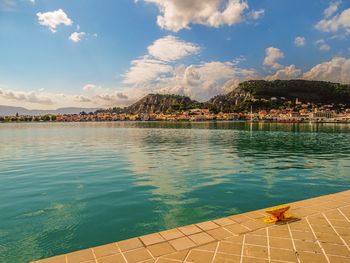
300, 112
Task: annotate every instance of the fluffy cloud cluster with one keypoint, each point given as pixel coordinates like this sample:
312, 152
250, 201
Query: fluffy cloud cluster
171, 48
53, 19
334, 24
77, 36
179, 14
322, 45
272, 56
336, 70
161, 70
29, 97
299, 41
158, 61
289, 72
332, 8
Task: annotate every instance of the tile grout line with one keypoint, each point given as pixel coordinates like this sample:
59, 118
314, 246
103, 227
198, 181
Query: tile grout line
318, 242
295, 248
242, 250
93, 253
329, 222
268, 245
216, 251
343, 214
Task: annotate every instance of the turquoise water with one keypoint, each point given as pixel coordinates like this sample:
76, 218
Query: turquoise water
65, 187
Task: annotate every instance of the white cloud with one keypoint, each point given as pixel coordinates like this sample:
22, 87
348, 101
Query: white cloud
289, 72
336, 23
171, 48
335, 70
145, 69
159, 61
89, 87
256, 14
299, 41
272, 56
77, 36
322, 45
54, 19
21, 96
332, 8
179, 14
81, 98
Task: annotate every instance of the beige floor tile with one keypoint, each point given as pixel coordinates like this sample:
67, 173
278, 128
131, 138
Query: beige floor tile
340, 223
337, 250
343, 231
165, 260
219, 233
201, 238
281, 243
307, 257
323, 229
190, 230
260, 232
256, 240
80, 256
129, 244
161, 249
171, 234
57, 259
278, 232
106, 250
336, 259
209, 247
178, 256
254, 224
329, 238
225, 258
283, 254
224, 221
235, 239
307, 246
303, 235
182, 243
209, 225
137, 255
197, 256
300, 225
237, 229
230, 248
152, 239
117, 258
239, 218
254, 260
255, 251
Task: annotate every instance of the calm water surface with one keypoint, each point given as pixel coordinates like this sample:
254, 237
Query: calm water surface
65, 187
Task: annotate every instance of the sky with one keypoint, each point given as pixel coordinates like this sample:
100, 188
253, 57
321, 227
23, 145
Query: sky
108, 53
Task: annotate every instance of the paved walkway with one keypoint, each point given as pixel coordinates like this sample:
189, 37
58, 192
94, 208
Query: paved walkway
321, 235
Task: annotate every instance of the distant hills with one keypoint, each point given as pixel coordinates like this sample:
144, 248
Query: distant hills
257, 93
159, 103
11, 111
260, 94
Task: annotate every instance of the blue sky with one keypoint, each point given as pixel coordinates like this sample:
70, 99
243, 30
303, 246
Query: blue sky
110, 53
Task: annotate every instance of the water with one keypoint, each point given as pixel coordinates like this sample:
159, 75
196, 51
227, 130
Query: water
65, 187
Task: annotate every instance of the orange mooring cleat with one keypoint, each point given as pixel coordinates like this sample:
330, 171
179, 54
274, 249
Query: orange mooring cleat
278, 213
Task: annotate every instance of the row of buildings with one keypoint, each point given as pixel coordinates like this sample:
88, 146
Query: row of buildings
323, 114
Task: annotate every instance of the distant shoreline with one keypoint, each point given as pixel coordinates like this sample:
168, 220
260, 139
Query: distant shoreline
186, 121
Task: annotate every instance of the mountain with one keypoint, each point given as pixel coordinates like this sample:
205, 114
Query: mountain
11, 111
159, 103
258, 93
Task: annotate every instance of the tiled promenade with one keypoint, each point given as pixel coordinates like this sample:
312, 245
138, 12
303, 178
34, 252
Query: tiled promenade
321, 235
